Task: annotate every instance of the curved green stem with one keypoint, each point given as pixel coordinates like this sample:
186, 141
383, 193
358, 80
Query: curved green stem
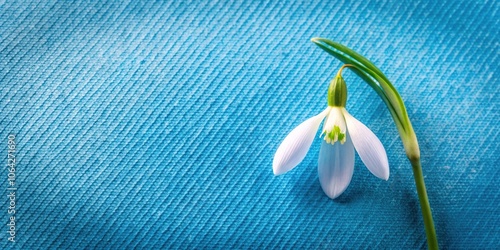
367, 75
380, 92
424, 205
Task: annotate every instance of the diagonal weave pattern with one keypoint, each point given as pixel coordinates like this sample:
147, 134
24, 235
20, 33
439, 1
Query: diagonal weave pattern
153, 124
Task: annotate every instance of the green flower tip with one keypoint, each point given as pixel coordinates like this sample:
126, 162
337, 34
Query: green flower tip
337, 92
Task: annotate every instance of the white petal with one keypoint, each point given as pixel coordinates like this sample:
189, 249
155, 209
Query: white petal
370, 149
335, 167
294, 147
335, 117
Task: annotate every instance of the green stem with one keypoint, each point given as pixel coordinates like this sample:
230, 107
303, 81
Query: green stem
424, 205
387, 89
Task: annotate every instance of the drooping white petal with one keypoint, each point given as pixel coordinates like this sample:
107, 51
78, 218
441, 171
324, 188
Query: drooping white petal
370, 149
294, 147
335, 167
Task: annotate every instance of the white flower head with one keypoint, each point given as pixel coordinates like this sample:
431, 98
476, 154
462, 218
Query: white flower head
342, 134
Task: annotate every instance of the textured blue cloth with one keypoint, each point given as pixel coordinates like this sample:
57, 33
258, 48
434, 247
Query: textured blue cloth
153, 124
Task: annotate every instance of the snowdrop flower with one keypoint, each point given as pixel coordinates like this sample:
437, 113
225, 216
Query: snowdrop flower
341, 134
374, 77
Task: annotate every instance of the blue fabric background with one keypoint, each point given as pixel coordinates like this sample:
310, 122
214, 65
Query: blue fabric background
153, 124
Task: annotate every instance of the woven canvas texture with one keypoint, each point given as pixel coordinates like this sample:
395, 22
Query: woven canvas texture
153, 124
